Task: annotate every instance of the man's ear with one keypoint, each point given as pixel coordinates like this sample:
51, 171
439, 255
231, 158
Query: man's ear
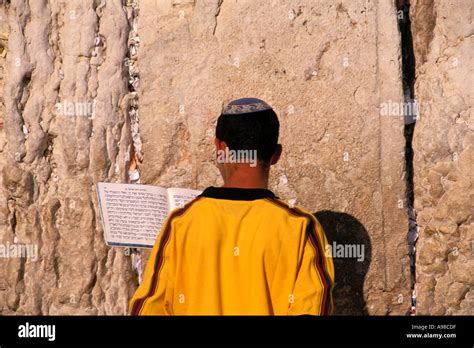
276, 154
220, 144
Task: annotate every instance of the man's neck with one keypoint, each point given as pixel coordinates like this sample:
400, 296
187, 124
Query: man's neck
248, 177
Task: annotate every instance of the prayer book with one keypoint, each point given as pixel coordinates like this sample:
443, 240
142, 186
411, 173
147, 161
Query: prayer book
132, 214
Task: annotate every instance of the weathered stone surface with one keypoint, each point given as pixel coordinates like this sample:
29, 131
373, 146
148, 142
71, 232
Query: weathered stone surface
51, 159
326, 67
444, 155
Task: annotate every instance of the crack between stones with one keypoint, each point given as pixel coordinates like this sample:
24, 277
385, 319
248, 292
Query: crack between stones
409, 76
134, 155
134, 79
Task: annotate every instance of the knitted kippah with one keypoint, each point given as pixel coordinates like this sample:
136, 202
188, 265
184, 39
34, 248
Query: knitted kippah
245, 106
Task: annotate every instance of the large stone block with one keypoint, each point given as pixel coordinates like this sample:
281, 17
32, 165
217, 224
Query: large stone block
65, 128
326, 68
444, 155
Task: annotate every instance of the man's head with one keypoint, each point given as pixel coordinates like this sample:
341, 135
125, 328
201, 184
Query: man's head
247, 130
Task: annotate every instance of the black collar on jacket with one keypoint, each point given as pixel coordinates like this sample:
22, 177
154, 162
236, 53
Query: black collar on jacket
237, 193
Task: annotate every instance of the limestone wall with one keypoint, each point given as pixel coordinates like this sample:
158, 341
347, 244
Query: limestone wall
326, 67
62, 52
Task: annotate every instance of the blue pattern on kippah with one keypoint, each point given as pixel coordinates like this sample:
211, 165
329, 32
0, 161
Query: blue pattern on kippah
245, 106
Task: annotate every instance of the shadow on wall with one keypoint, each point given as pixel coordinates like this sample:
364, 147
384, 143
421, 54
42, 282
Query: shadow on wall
352, 251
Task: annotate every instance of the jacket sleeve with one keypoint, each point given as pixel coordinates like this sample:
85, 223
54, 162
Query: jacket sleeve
315, 278
154, 295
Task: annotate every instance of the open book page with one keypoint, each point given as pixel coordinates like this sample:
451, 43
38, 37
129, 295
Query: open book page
179, 196
132, 215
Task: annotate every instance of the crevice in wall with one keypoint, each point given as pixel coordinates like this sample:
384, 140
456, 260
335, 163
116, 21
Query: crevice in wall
410, 118
133, 83
135, 155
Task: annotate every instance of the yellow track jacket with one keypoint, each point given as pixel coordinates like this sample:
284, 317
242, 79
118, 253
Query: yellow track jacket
234, 251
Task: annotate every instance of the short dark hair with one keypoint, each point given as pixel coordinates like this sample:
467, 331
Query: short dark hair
251, 131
